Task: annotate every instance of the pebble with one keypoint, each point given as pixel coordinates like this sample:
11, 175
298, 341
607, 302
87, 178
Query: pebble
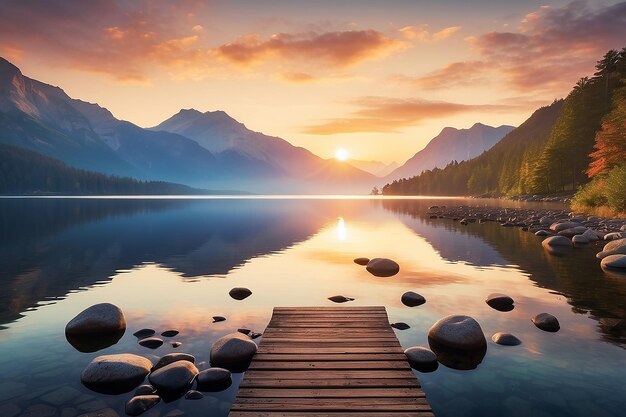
400, 326
151, 342
421, 359
217, 319
340, 299
143, 333
194, 395
382, 267
546, 322
170, 333
240, 293
361, 261
505, 339
140, 404
412, 299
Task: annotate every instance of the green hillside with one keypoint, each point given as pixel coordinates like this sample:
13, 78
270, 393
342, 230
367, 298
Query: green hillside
23, 172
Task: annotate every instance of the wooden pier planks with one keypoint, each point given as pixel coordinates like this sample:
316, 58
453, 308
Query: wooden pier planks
330, 362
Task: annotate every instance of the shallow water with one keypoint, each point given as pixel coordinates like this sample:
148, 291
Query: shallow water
169, 263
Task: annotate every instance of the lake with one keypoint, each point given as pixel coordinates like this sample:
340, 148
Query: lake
170, 263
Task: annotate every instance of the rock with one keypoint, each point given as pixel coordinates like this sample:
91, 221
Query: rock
546, 220
143, 333
176, 344
217, 319
554, 241
614, 236
382, 267
151, 342
400, 326
140, 404
254, 335
174, 378
115, 374
614, 262
173, 357
170, 333
421, 359
592, 235
500, 302
580, 240
505, 339
557, 227
340, 299
214, 379
458, 332
573, 231
542, 233
99, 318
546, 322
239, 293
361, 261
615, 247
412, 299
145, 390
193, 395
233, 351
243, 330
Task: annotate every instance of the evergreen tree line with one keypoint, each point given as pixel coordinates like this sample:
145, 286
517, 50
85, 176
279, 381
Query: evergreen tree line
558, 149
26, 172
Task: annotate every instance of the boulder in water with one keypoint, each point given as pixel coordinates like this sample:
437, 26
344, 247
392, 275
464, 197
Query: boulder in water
115, 374
382, 267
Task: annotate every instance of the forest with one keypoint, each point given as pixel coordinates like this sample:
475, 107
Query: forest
576, 145
24, 172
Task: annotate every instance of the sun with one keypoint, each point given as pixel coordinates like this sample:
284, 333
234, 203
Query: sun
341, 154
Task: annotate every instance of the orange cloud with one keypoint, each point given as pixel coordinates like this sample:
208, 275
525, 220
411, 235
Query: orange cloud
550, 50
339, 49
298, 77
454, 74
422, 33
386, 114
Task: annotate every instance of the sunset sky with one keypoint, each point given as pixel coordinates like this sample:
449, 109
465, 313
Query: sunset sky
378, 78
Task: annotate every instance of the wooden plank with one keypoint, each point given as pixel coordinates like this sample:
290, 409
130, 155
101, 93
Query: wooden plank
330, 393
342, 414
335, 361
258, 365
346, 383
280, 357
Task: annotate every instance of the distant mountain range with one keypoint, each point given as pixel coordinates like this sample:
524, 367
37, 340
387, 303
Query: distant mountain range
380, 169
206, 150
451, 145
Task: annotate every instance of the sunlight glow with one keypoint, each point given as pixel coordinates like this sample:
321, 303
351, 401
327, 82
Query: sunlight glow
341, 229
341, 154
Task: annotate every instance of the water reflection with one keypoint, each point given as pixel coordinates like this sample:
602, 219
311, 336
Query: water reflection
171, 264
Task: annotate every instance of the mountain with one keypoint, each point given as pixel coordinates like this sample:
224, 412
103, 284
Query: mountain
26, 172
451, 145
498, 169
380, 169
44, 119
221, 134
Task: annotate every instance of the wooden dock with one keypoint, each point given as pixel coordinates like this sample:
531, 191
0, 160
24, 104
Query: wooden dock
330, 361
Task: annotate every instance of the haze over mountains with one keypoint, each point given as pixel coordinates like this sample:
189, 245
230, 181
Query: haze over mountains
220, 154
451, 145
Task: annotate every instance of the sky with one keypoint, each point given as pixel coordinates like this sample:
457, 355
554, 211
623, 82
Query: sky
376, 78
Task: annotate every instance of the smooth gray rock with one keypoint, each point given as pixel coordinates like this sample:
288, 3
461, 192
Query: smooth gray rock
615, 247
458, 332
176, 377
176, 344
145, 390
412, 299
143, 333
400, 325
615, 236
614, 262
361, 261
115, 373
173, 357
240, 293
573, 231
340, 299
140, 404
555, 241
170, 333
543, 233
500, 302
421, 359
382, 267
193, 395
232, 350
580, 239
99, 318
214, 379
546, 322
557, 227
151, 342
505, 339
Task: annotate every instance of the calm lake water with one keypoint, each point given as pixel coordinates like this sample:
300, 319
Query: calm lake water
169, 263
